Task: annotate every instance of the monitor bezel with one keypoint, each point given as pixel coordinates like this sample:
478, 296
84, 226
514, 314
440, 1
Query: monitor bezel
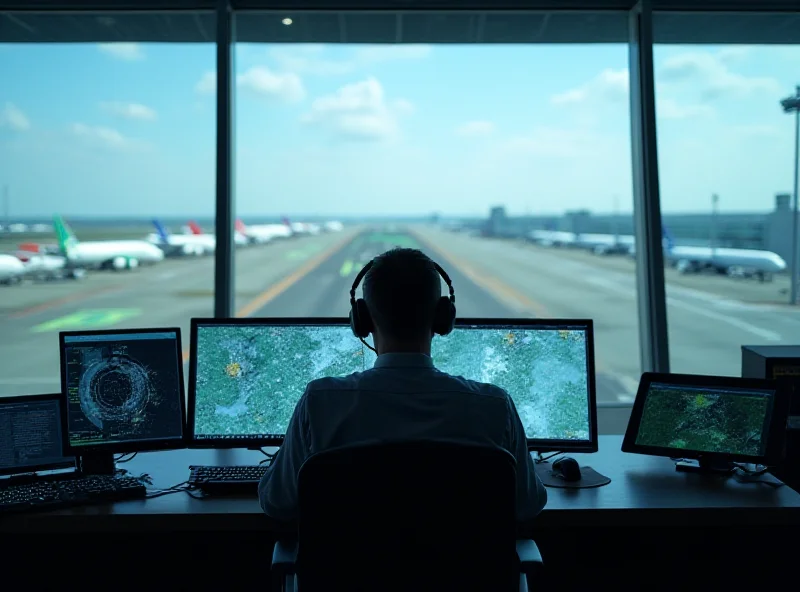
122, 447
42, 467
534, 444
775, 437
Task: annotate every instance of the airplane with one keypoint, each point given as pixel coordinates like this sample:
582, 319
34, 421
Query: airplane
11, 269
181, 244
333, 226
264, 233
106, 254
239, 239
44, 264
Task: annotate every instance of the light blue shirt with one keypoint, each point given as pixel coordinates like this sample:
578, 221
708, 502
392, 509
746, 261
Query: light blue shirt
403, 397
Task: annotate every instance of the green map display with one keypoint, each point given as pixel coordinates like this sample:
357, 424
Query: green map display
705, 420
249, 378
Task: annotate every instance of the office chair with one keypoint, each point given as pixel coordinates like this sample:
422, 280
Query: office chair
407, 516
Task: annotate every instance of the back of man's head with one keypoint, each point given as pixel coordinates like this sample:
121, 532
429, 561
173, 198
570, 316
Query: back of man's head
402, 291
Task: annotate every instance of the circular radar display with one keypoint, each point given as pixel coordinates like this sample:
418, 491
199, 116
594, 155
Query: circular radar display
114, 389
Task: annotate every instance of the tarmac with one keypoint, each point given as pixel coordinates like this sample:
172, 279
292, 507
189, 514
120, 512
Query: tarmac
709, 317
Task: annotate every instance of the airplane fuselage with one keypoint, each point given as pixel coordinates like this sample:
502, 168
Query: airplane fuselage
115, 254
11, 268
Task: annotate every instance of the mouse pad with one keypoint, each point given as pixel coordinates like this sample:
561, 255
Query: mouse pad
589, 478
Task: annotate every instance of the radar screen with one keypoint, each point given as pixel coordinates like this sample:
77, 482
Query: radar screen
702, 419
249, 377
122, 389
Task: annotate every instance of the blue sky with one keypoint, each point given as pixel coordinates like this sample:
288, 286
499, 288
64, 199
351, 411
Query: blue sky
128, 129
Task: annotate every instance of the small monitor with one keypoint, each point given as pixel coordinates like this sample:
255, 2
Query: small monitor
30, 435
123, 390
713, 420
246, 375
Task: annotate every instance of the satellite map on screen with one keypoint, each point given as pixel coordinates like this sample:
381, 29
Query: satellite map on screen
249, 378
705, 420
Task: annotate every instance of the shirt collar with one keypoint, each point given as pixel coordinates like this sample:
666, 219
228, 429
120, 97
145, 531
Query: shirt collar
397, 360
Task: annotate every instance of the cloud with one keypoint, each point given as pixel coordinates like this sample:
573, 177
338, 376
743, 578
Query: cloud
610, 85
710, 73
358, 111
307, 59
475, 128
671, 109
13, 117
259, 81
129, 110
123, 51
103, 136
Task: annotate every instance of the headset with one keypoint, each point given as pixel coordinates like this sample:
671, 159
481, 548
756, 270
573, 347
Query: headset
444, 319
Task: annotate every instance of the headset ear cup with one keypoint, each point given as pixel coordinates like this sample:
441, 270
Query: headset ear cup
363, 325
445, 317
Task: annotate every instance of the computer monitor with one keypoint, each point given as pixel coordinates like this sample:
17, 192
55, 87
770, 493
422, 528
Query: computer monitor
246, 375
123, 391
30, 435
713, 420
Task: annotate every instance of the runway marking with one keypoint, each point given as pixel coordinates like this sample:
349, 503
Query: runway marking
87, 319
82, 295
491, 284
347, 267
276, 289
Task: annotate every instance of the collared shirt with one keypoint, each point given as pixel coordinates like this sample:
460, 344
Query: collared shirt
403, 397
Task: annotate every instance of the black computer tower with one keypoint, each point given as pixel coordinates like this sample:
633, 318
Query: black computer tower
781, 363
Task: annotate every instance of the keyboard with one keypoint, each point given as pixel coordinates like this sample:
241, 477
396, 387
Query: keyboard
45, 495
236, 480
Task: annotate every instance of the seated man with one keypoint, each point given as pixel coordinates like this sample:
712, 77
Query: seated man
403, 397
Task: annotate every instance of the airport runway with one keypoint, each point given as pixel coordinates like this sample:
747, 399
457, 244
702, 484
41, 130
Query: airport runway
710, 318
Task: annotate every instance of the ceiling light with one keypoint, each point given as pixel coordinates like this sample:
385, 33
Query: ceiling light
287, 21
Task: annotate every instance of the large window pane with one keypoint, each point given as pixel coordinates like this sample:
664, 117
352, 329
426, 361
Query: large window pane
111, 137
509, 164
726, 163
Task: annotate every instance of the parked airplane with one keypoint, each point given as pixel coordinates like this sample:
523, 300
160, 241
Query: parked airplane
238, 238
11, 269
107, 254
41, 263
182, 244
264, 233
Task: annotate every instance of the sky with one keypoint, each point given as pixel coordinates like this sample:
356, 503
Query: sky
129, 129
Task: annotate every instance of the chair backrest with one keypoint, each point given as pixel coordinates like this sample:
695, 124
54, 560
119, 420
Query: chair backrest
408, 516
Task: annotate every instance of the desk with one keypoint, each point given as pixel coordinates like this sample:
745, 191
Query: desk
646, 498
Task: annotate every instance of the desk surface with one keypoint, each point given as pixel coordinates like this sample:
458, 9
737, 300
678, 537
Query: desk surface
644, 491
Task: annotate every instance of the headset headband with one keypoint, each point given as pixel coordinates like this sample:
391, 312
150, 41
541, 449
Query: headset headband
368, 266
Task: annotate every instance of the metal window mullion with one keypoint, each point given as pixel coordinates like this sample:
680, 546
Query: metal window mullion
224, 258
653, 339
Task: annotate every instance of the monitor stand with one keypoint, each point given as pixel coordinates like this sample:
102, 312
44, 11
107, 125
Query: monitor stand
704, 466
97, 463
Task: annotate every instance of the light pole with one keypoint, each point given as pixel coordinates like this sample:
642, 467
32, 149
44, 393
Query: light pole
714, 204
792, 105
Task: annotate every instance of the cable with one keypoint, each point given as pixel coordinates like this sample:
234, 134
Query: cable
184, 487
270, 456
541, 459
123, 458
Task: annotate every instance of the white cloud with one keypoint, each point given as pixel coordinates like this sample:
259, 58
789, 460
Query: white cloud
13, 117
122, 51
358, 111
129, 110
103, 136
262, 81
610, 85
670, 109
475, 128
259, 81
710, 73
307, 59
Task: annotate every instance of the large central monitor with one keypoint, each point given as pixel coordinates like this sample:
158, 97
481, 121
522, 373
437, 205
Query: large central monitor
246, 375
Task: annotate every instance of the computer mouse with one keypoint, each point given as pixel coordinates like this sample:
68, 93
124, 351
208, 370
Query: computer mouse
569, 468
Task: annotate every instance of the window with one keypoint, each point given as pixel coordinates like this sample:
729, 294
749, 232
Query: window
509, 164
727, 164
101, 140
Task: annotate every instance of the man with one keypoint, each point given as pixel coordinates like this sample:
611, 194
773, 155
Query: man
403, 397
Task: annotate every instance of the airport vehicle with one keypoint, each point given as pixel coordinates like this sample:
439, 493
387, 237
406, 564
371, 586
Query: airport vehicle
12, 269
107, 254
264, 233
182, 244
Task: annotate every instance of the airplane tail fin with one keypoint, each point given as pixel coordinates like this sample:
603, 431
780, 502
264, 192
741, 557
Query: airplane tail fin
163, 234
240, 227
286, 222
66, 238
195, 228
669, 242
